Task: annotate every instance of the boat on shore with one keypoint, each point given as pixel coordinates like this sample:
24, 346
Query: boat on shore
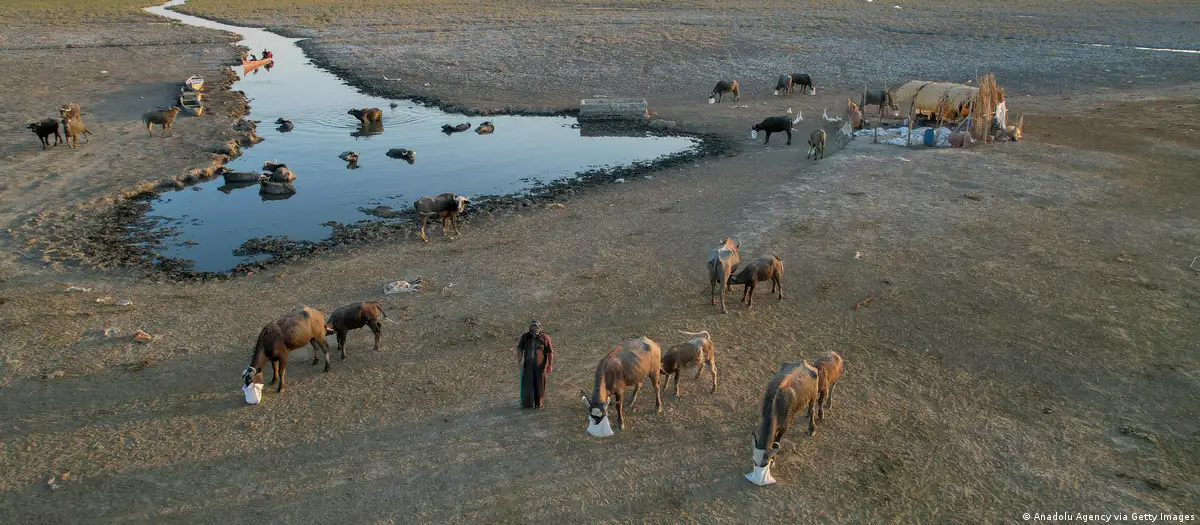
194, 83
190, 102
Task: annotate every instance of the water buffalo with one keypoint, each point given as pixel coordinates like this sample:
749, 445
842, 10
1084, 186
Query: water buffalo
629, 364
724, 87
721, 262
281, 336
353, 317
448, 129
366, 115
774, 125
485, 128
73, 128
816, 144
784, 85
803, 82
792, 390
448, 206
697, 351
759, 270
162, 117
43, 129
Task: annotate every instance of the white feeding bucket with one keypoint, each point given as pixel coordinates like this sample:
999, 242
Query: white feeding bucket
761, 476
253, 393
712, 100
601, 429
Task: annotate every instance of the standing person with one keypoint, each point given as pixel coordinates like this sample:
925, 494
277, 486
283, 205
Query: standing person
535, 355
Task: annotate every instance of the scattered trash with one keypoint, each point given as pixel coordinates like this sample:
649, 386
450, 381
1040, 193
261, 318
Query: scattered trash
712, 100
123, 302
619, 181
104, 72
863, 303
557, 206
1193, 265
141, 337
111, 332
753, 134
54, 374
71, 289
446, 289
647, 177
903, 159
743, 106
403, 287
104, 300
896, 6
859, 255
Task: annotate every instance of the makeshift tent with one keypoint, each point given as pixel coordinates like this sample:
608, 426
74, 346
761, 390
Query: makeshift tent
950, 102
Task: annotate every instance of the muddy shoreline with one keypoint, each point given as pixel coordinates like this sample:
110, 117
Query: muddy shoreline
115, 232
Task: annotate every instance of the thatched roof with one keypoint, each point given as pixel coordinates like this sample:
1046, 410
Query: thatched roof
949, 100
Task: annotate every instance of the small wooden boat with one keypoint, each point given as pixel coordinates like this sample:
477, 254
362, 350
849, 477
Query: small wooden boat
251, 65
190, 102
194, 83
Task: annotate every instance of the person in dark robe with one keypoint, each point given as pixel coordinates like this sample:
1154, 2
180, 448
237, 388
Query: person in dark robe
535, 354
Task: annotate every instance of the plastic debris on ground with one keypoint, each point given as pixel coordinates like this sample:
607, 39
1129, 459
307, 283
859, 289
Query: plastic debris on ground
141, 337
72, 289
899, 136
123, 302
403, 287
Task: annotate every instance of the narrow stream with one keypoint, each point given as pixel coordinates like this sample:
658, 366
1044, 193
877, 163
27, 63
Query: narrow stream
210, 220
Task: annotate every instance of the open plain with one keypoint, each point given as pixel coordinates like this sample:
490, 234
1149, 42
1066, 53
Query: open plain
1030, 344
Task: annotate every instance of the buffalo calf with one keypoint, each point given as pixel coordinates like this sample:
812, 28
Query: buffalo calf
353, 317
697, 351
829, 370
760, 269
816, 144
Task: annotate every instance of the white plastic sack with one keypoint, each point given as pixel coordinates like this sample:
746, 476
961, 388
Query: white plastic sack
601, 429
253, 393
776, 93
754, 134
761, 476
712, 100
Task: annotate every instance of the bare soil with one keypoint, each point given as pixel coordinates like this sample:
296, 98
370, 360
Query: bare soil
1030, 344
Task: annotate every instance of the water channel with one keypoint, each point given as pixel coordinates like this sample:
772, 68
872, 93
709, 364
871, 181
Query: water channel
210, 220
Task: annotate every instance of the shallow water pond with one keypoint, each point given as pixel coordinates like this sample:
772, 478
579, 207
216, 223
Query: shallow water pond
210, 220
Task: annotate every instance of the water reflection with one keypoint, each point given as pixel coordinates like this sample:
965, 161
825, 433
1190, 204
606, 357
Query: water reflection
329, 188
368, 129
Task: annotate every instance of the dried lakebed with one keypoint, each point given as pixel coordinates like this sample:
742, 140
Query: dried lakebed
213, 227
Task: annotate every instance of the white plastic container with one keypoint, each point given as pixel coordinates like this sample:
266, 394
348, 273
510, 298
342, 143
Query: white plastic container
761, 476
253, 393
712, 100
601, 429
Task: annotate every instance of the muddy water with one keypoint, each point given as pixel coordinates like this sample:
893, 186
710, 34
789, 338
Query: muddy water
209, 221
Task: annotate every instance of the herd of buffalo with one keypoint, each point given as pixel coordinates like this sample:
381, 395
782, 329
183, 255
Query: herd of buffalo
799, 386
